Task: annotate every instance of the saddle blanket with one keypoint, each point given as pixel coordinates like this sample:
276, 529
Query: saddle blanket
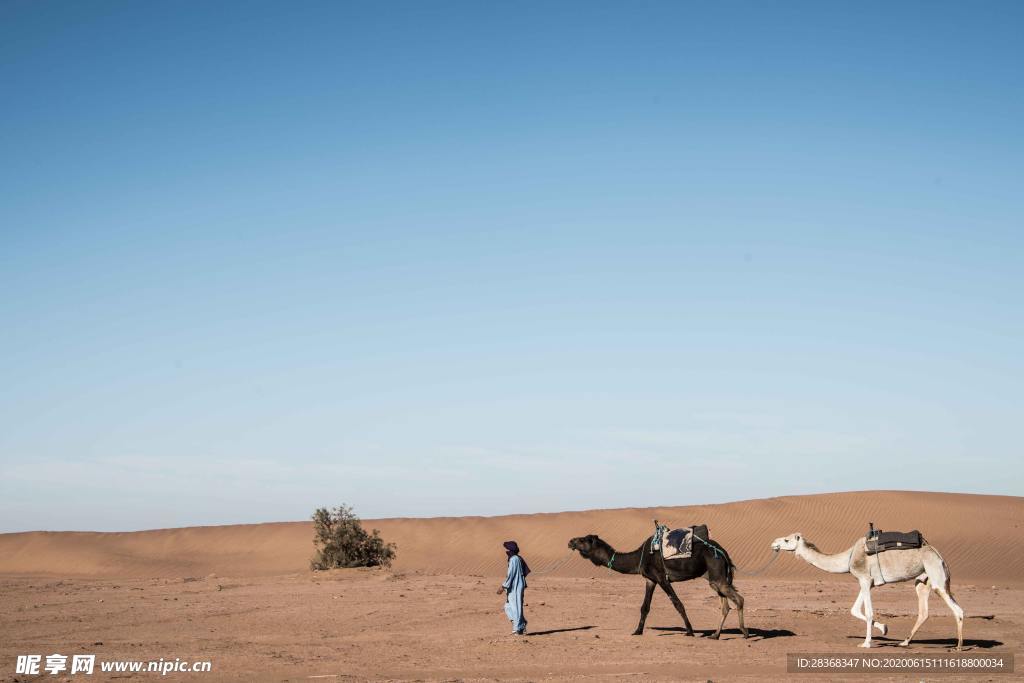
882, 541
678, 543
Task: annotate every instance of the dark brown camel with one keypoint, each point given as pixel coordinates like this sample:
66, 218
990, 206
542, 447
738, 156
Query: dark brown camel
708, 559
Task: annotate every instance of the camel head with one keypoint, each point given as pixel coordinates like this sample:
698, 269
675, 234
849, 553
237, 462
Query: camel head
790, 543
587, 546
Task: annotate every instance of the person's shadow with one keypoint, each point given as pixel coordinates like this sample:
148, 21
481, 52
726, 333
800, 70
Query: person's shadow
758, 633
558, 630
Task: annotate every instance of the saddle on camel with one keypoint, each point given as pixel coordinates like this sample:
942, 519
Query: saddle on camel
678, 543
878, 541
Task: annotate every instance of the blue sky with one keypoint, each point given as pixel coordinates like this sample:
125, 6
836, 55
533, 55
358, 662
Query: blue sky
481, 258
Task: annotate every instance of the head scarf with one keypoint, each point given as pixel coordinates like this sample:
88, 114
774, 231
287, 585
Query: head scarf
512, 548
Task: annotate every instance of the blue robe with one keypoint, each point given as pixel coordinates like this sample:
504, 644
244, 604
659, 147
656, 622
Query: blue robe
515, 587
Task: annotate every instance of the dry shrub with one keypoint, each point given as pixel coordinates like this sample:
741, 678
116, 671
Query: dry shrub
341, 541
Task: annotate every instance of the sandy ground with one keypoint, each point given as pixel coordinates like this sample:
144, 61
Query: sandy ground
382, 625
243, 598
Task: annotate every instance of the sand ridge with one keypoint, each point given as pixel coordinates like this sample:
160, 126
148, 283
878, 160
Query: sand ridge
980, 537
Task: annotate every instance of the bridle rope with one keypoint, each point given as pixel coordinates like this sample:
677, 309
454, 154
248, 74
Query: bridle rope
761, 570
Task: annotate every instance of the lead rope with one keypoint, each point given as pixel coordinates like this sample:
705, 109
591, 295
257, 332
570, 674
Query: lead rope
658, 538
762, 570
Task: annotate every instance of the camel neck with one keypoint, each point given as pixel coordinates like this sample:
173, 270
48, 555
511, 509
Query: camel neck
834, 564
627, 563
624, 563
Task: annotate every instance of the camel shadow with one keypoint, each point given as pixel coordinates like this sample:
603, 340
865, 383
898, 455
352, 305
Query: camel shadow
755, 633
946, 642
558, 630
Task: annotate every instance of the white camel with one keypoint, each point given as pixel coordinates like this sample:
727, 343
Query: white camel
924, 565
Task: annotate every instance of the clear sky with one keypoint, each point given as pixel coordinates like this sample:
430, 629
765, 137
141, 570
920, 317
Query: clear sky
443, 258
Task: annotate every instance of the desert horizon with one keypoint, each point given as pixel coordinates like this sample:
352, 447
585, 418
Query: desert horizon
467, 545
535, 512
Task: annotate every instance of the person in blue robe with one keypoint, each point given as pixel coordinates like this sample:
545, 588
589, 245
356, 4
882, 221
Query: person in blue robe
515, 587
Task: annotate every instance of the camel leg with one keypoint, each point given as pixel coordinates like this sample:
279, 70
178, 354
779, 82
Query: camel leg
855, 609
737, 600
678, 604
869, 610
727, 590
938, 577
923, 591
725, 613
645, 608
958, 612
857, 612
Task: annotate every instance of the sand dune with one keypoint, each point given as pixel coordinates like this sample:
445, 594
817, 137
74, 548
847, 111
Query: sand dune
980, 537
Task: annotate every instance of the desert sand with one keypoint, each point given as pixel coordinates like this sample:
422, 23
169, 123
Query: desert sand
243, 596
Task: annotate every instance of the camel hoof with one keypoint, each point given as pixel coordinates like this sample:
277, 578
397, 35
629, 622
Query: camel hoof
883, 629
689, 634
867, 644
715, 636
905, 643
746, 635
637, 633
